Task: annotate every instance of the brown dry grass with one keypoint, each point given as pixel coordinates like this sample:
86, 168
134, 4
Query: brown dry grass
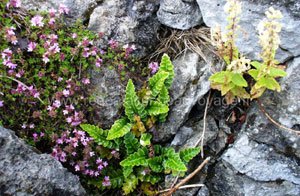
175, 42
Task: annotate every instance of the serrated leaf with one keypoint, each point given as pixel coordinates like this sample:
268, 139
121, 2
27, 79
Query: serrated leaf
155, 108
145, 139
189, 153
239, 80
155, 164
131, 143
164, 96
130, 184
173, 161
119, 129
99, 136
136, 159
127, 171
132, 104
166, 66
156, 83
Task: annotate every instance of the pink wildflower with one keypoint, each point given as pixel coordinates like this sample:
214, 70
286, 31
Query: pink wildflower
77, 168
66, 92
14, 3
85, 80
31, 46
35, 137
1, 103
106, 181
63, 9
154, 67
37, 20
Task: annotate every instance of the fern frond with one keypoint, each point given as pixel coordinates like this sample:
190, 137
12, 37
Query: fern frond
156, 83
164, 96
155, 108
130, 184
145, 139
99, 135
136, 159
166, 66
127, 171
132, 104
119, 129
131, 143
155, 164
189, 153
173, 161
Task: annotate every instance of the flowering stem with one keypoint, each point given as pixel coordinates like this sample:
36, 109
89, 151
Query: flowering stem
13, 79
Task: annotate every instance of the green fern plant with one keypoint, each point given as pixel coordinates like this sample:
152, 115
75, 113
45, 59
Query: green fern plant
142, 161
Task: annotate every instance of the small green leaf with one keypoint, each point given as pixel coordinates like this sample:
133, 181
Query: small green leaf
127, 171
218, 77
119, 129
254, 73
189, 153
155, 164
239, 80
130, 184
275, 72
173, 161
256, 64
145, 139
131, 143
155, 108
136, 159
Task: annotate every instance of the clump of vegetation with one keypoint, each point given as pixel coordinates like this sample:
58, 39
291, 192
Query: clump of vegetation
44, 98
231, 82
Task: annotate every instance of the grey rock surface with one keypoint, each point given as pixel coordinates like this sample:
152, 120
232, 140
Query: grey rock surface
253, 169
25, 172
179, 14
127, 22
107, 90
283, 107
253, 11
78, 9
203, 191
189, 85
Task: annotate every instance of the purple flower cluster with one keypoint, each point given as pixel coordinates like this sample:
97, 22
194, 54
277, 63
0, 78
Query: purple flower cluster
11, 35
14, 3
154, 67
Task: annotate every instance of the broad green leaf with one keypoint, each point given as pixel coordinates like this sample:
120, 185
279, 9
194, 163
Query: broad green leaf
130, 184
240, 92
155, 108
239, 80
156, 83
145, 139
269, 83
119, 129
226, 88
275, 72
99, 136
256, 64
132, 104
254, 73
189, 153
136, 159
218, 77
131, 143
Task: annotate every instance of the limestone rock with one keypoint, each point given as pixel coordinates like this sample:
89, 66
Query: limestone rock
24, 172
179, 14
